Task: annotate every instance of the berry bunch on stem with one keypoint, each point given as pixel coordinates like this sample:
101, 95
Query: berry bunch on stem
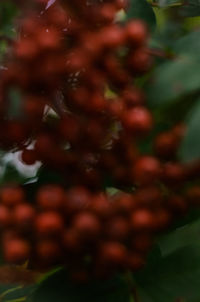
81, 113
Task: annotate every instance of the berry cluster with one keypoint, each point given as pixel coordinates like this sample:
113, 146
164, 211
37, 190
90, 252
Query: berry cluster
85, 72
70, 65
92, 234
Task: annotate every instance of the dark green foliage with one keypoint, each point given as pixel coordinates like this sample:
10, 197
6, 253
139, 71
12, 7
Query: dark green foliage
191, 8
59, 288
8, 11
176, 271
174, 79
142, 9
14, 292
190, 148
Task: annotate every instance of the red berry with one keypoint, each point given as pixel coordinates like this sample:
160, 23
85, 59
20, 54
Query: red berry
101, 206
26, 49
113, 253
34, 107
118, 228
138, 120
111, 37
124, 203
115, 107
121, 4
23, 215
29, 157
71, 241
48, 39
16, 132
69, 128
142, 242
166, 145
177, 204
9, 234
12, 195
173, 173
57, 16
87, 225
133, 97
149, 196
179, 131
142, 220
135, 261
136, 33
49, 223
139, 61
51, 197
5, 217
107, 13
44, 143
163, 217
78, 199
16, 251
76, 61
48, 251
147, 170
193, 196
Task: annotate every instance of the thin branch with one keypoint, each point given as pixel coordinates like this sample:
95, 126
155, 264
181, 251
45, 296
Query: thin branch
155, 4
160, 53
130, 281
135, 295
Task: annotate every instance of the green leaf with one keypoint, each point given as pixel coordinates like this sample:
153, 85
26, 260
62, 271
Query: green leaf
189, 44
177, 78
9, 292
59, 288
191, 8
11, 175
174, 79
180, 237
143, 10
164, 3
172, 277
45, 175
8, 11
190, 147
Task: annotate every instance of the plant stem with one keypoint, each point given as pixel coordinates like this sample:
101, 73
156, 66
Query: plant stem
155, 4
135, 295
160, 53
132, 286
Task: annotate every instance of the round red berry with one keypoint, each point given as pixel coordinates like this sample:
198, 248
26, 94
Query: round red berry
51, 197
138, 120
16, 251
12, 195
49, 223
29, 157
147, 170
